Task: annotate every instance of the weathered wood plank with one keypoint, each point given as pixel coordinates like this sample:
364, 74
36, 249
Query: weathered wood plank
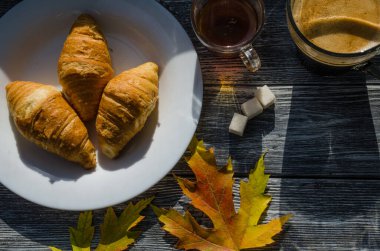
310, 115
329, 215
321, 127
311, 131
280, 63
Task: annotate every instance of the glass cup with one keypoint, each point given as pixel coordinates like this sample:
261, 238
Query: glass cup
229, 27
339, 20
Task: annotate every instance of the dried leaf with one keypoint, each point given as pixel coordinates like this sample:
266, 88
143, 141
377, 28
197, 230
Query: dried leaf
212, 194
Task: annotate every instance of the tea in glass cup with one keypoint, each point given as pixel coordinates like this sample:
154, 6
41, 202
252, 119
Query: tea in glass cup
229, 27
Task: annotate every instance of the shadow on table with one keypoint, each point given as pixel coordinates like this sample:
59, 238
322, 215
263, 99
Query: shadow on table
39, 225
330, 129
49, 227
255, 130
330, 150
218, 110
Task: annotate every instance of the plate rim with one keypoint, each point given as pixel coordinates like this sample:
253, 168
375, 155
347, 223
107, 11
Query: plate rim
198, 82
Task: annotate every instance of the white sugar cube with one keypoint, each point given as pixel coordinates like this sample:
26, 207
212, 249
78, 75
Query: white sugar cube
238, 124
252, 108
265, 96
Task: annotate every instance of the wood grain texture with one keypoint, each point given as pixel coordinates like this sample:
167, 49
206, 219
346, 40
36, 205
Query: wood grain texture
329, 215
321, 126
324, 131
323, 139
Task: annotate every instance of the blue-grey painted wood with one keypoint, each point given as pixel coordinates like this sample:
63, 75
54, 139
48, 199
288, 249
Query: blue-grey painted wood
329, 214
322, 136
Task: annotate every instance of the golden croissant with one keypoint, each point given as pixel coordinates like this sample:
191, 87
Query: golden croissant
43, 116
126, 103
84, 66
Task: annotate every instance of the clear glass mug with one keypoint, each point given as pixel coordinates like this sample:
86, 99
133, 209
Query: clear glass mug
358, 60
229, 27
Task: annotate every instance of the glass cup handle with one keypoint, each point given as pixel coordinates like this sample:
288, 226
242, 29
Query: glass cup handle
250, 58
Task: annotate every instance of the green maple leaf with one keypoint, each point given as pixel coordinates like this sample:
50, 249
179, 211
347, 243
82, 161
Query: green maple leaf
81, 237
115, 231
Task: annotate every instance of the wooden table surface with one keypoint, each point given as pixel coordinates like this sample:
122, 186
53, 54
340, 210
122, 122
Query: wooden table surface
322, 136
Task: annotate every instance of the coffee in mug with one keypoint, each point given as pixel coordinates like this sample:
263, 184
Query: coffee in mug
339, 26
334, 36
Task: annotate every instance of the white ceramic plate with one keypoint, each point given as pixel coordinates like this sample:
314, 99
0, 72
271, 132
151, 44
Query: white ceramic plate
32, 34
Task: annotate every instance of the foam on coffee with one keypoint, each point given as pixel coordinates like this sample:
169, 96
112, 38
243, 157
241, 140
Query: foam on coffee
339, 25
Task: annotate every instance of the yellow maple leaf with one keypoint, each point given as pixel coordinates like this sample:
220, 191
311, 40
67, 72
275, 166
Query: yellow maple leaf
212, 194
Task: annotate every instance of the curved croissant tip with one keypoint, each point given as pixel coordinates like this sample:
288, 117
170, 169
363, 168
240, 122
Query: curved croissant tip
91, 164
88, 156
14, 83
109, 151
8, 86
151, 65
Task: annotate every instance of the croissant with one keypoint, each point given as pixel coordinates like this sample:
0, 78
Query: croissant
84, 66
43, 116
126, 103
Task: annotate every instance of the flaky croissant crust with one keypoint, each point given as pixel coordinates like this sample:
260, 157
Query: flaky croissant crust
43, 116
84, 66
126, 103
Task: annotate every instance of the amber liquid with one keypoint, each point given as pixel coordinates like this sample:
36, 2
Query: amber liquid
227, 22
